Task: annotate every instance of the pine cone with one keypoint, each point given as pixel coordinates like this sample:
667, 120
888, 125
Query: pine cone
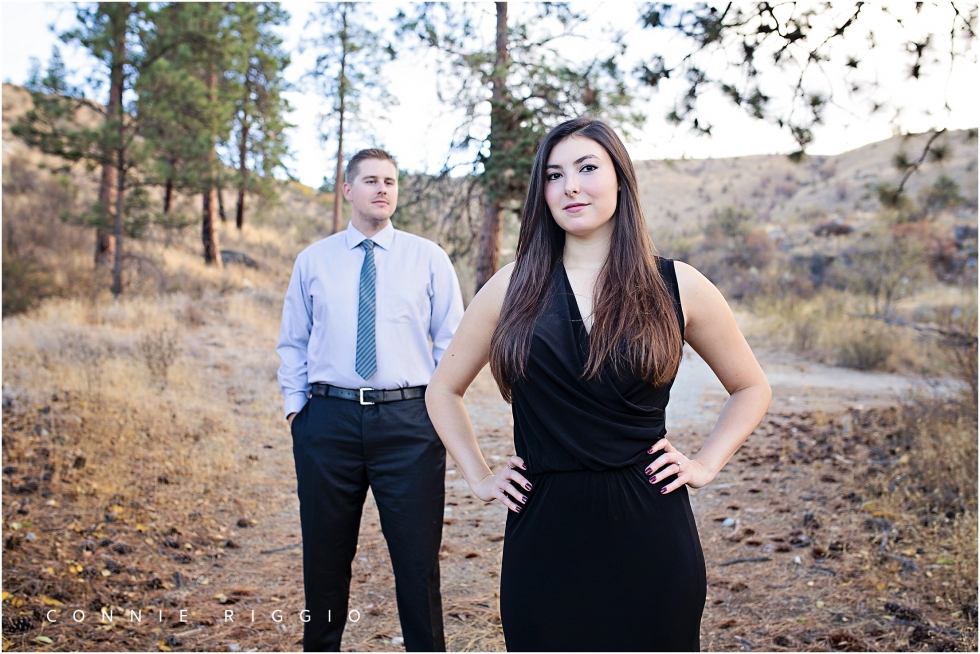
20, 624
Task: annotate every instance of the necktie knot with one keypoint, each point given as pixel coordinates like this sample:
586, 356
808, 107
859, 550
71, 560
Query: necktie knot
367, 244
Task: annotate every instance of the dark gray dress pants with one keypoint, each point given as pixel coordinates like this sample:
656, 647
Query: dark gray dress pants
340, 448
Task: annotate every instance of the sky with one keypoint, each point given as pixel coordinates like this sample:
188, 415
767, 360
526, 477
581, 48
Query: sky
419, 129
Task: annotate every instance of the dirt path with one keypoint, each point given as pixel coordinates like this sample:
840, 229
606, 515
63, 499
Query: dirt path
785, 535
473, 531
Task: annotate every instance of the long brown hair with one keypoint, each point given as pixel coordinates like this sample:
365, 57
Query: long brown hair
634, 324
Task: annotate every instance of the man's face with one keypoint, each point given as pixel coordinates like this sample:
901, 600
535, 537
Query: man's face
373, 193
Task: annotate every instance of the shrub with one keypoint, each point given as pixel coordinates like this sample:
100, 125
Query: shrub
866, 349
24, 284
160, 349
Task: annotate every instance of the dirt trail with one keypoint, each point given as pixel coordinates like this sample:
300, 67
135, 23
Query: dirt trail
473, 531
785, 536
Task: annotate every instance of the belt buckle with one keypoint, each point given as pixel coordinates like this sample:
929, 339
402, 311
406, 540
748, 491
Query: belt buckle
361, 396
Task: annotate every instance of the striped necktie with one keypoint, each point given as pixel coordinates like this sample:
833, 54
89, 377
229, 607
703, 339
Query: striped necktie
365, 360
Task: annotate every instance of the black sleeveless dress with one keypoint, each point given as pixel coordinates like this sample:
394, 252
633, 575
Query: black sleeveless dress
599, 559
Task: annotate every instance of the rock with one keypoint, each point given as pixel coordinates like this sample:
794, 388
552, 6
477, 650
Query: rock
239, 258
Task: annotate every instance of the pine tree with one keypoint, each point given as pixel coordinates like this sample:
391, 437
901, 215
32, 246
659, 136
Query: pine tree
206, 35
113, 33
524, 85
347, 70
258, 132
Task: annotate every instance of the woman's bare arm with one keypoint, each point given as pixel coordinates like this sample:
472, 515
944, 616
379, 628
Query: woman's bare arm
711, 330
467, 354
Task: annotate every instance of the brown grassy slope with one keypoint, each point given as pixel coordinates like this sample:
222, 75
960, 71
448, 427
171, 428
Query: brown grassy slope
679, 196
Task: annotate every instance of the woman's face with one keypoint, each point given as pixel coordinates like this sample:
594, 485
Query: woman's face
581, 188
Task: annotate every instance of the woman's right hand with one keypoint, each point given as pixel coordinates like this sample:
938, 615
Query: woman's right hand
499, 487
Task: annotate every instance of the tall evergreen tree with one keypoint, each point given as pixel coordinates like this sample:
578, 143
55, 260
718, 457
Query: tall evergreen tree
207, 35
347, 70
113, 32
258, 138
519, 90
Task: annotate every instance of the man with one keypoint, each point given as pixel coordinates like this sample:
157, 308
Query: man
361, 308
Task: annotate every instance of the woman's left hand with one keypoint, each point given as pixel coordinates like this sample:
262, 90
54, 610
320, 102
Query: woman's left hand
672, 462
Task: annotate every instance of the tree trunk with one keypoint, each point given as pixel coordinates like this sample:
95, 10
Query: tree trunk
488, 254
168, 196
209, 235
243, 171
240, 208
117, 81
338, 199
105, 243
221, 205
491, 232
120, 181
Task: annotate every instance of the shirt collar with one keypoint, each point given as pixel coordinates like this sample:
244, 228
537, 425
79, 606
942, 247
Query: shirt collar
382, 239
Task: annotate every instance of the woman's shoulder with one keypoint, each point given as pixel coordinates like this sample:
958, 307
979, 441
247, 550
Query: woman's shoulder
687, 274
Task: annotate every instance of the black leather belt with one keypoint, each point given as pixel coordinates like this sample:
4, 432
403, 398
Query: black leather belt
367, 396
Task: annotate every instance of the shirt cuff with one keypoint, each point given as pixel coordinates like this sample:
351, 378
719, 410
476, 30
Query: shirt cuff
294, 403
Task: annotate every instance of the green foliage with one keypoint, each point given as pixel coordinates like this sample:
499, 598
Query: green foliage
348, 69
526, 92
24, 284
731, 221
258, 134
943, 194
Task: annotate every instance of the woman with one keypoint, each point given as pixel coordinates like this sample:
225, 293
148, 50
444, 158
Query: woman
584, 333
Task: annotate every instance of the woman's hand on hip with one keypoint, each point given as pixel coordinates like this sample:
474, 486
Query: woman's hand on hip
501, 486
672, 462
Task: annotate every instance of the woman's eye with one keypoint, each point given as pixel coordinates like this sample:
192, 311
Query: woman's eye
553, 176
588, 168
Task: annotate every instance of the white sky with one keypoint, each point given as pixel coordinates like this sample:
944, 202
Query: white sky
419, 129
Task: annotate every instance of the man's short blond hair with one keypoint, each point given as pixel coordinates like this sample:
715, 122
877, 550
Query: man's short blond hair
371, 153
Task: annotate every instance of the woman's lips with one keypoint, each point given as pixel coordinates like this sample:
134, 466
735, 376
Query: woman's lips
575, 208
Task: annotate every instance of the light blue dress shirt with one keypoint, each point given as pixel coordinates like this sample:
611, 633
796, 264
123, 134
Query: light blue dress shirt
419, 306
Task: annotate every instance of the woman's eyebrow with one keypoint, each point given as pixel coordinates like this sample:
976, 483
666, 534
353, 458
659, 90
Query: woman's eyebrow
576, 162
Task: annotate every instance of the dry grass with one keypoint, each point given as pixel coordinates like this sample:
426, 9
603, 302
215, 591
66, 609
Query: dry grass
826, 557
828, 328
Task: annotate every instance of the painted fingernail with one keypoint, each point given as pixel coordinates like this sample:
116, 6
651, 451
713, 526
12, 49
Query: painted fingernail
524, 498
517, 509
649, 470
527, 486
663, 490
653, 479
523, 467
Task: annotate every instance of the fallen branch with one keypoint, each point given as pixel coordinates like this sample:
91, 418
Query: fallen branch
754, 559
906, 562
281, 549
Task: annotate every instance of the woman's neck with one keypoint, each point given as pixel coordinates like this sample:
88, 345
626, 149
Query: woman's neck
588, 252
